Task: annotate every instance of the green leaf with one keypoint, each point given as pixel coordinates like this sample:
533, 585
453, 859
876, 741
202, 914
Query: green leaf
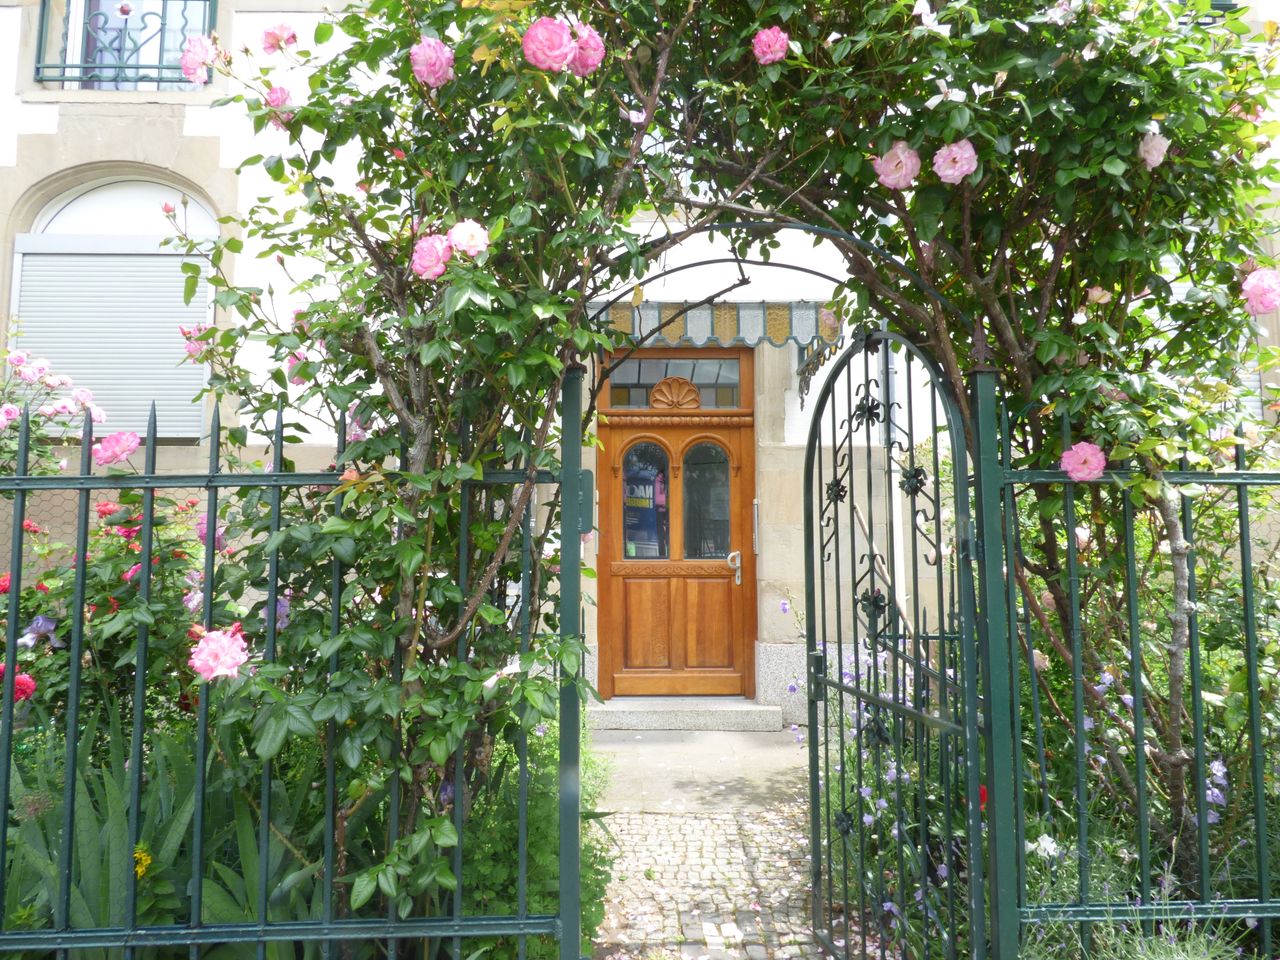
363, 888
324, 31
1115, 166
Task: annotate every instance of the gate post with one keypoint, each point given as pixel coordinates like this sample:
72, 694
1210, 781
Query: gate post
997, 668
571, 505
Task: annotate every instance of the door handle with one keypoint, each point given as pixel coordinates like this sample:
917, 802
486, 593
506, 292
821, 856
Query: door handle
735, 564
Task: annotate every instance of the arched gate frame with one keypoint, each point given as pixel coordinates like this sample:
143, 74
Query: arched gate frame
910, 854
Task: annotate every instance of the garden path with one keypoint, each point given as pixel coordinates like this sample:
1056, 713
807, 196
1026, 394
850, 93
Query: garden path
712, 858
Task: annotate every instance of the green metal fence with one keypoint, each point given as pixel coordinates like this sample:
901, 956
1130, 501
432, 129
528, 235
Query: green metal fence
1131, 755
127, 831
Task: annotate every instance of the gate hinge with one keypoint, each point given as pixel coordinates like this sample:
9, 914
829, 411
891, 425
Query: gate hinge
971, 547
586, 502
817, 674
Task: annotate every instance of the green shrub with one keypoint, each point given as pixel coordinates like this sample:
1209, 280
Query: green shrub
491, 868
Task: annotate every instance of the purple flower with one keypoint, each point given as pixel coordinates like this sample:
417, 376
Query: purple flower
40, 628
202, 533
793, 687
446, 793
785, 606
282, 611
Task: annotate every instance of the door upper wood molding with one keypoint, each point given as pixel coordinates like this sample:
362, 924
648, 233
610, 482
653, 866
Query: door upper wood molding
646, 418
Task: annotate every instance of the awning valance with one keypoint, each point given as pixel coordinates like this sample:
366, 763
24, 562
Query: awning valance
724, 324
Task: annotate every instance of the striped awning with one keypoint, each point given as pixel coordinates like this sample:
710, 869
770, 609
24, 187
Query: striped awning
725, 324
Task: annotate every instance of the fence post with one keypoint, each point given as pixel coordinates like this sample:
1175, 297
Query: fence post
997, 669
570, 626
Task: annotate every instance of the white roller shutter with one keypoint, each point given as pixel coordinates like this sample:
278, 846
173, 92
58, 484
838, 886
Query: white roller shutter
110, 320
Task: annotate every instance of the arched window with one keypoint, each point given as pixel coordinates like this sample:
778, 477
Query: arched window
99, 297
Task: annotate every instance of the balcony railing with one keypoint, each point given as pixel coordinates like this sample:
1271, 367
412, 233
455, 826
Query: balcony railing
118, 44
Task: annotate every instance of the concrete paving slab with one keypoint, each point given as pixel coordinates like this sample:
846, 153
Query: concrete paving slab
674, 771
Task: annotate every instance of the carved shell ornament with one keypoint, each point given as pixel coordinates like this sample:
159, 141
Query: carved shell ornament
674, 393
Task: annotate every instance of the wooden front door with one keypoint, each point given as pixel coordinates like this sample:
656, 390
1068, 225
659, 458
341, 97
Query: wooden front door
677, 550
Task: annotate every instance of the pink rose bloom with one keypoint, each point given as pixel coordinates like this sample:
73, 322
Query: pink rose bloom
41, 366
1084, 462
955, 161
219, 653
10, 412
898, 168
115, 448
1261, 290
167, 208
357, 429
295, 360
132, 572
198, 54
82, 396
1152, 150
96, 413
275, 39
28, 374
770, 45
1084, 539
432, 62
469, 237
430, 255
548, 44
278, 97
589, 52
1098, 295
17, 358
64, 405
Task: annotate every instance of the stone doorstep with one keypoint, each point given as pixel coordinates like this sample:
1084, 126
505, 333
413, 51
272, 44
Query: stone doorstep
683, 713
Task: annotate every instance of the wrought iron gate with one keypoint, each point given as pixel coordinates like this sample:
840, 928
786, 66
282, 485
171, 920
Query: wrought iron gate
895, 755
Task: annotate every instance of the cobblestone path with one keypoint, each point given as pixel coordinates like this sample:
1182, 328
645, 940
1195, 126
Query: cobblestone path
716, 885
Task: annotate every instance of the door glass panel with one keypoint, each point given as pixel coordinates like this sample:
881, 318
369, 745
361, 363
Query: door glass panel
645, 532
706, 502
716, 380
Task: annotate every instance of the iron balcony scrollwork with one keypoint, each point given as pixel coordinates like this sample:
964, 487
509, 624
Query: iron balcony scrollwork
124, 45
